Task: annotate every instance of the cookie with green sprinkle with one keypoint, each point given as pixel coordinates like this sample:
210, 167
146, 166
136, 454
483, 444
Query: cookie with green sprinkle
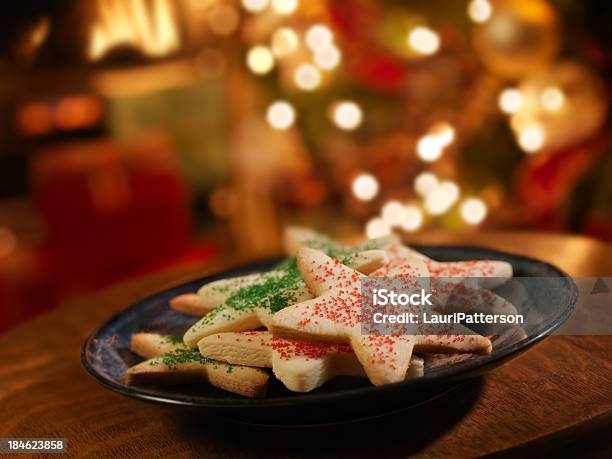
171, 362
215, 294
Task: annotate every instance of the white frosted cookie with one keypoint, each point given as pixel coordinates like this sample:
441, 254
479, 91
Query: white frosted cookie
171, 362
301, 366
335, 316
252, 307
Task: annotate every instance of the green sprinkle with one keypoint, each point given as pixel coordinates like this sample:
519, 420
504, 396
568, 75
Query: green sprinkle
170, 339
178, 356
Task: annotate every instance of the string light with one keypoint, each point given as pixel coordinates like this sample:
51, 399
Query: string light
444, 133
377, 227
552, 99
412, 218
319, 37
510, 101
365, 187
260, 60
473, 211
429, 148
393, 213
423, 40
284, 6
284, 41
307, 77
281, 115
480, 10
254, 6
328, 57
347, 115
425, 183
531, 139
439, 200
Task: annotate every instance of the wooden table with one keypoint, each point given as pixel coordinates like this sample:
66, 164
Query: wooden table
555, 396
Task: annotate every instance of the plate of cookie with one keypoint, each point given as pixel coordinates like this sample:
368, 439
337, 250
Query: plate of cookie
282, 341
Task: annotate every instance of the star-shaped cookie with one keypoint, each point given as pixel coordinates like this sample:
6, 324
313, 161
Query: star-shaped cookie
301, 366
490, 273
252, 306
171, 362
455, 293
217, 293
335, 315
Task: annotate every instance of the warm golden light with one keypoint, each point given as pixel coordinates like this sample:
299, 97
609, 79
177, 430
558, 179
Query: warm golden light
327, 58
319, 37
531, 139
424, 40
284, 6
377, 227
260, 60
147, 26
307, 77
365, 187
392, 213
480, 10
429, 148
443, 132
254, 6
412, 218
281, 115
510, 101
439, 200
473, 211
284, 41
425, 183
552, 99
347, 115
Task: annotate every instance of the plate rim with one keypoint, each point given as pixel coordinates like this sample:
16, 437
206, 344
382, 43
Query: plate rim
447, 375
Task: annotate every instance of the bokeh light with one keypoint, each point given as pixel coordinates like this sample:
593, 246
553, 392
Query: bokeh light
319, 37
365, 187
423, 40
377, 227
307, 77
480, 10
510, 101
281, 115
284, 6
412, 218
347, 115
260, 60
254, 6
284, 41
473, 211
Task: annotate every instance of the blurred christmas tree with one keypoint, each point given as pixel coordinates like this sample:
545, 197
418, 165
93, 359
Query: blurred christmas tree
438, 113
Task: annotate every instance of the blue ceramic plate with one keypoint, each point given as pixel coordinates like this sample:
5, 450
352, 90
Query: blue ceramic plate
106, 353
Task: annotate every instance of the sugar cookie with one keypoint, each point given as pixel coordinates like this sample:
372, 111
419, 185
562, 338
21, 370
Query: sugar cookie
452, 294
171, 362
216, 293
301, 366
252, 307
334, 316
490, 273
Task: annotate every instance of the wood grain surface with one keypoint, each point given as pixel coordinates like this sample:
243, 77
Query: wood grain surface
555, 397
